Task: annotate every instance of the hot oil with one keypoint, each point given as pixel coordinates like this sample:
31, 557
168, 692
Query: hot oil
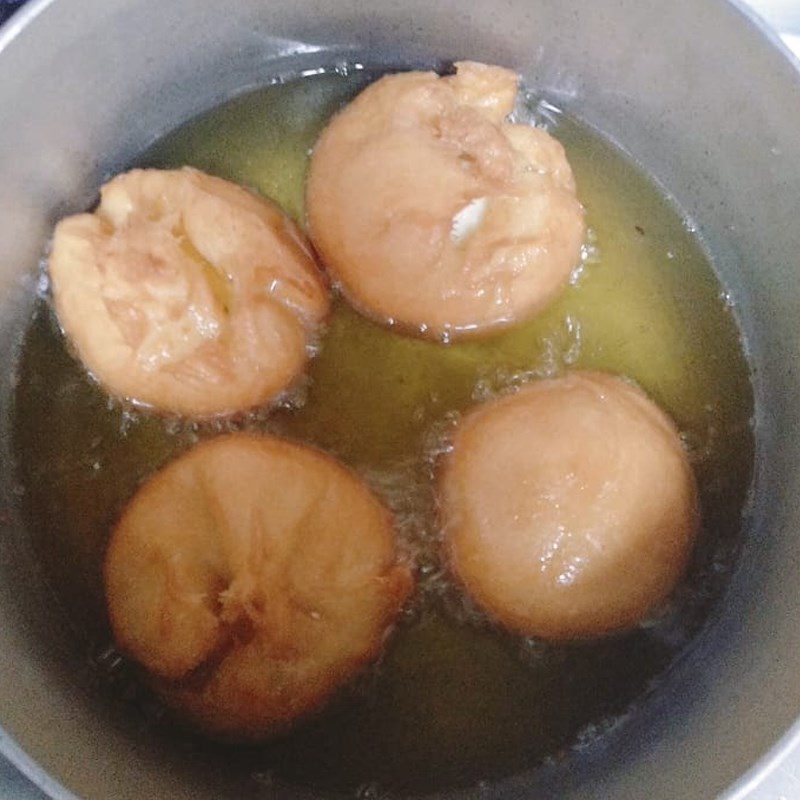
454, 701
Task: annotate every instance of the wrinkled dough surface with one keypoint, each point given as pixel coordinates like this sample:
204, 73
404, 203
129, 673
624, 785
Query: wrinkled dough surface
187, 292
569, 508
434, 213
251, 578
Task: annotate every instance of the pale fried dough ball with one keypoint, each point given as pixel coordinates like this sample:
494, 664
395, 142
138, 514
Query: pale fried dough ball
252, 577
434, 213
569, 508
186, 292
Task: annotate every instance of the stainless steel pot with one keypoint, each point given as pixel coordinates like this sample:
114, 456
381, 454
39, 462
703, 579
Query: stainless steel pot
693, 91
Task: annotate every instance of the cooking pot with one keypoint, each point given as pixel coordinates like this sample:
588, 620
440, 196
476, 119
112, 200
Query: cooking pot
691, 89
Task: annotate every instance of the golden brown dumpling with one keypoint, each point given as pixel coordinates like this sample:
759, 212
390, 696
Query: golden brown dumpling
570, 507
186, 292
434, 213
251, 578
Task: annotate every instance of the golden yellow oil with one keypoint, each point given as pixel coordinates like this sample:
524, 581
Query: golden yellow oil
454, 701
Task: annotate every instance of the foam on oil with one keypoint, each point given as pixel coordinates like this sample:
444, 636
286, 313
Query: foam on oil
454, 701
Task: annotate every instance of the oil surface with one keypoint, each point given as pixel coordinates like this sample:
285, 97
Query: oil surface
454, 701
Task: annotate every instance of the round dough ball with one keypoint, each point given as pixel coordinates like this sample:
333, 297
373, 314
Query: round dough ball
251, 578
435, 214
569, 508
186, 292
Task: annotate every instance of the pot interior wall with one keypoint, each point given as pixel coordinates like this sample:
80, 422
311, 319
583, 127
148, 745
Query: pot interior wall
89, 84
